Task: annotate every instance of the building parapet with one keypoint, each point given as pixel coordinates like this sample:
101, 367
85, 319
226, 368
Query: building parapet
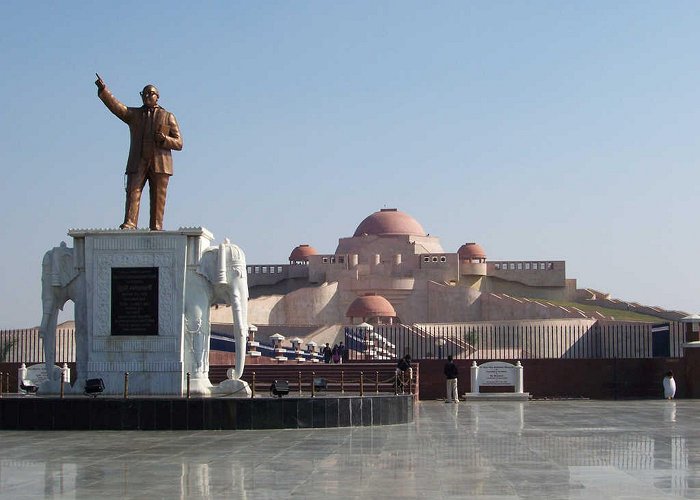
530, 272
526, 265
330, 260
269, 274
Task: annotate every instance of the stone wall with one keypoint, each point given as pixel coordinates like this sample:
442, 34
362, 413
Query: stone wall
580, 378
306, 306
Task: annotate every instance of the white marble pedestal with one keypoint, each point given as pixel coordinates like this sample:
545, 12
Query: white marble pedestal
135, 289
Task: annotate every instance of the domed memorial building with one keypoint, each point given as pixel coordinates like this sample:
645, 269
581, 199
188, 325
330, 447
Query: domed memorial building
371, 308
390, 270
300, 255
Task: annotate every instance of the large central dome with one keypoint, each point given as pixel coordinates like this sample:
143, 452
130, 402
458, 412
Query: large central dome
389, 222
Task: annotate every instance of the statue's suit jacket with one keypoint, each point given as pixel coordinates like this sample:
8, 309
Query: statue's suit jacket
135, 118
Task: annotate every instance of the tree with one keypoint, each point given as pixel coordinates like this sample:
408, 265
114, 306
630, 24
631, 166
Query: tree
6, 347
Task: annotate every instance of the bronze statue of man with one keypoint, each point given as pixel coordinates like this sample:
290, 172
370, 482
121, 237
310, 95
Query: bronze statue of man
154, 133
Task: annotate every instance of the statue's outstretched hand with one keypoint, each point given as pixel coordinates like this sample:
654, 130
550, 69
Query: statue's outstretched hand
100, 83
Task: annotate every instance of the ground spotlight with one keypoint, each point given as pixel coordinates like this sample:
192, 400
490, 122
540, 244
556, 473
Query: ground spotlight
279, 388
94, 386
320, 384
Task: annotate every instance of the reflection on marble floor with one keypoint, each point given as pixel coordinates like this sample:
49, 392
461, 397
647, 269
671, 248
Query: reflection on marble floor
540, 449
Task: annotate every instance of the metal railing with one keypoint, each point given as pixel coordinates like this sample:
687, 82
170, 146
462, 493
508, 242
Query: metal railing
597, 340
343, 381
27, 346
512, 341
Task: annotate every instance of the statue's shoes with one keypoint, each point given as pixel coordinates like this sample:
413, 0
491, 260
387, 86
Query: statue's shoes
126, 226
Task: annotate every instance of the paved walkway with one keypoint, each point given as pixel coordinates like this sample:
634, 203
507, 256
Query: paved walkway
540, 449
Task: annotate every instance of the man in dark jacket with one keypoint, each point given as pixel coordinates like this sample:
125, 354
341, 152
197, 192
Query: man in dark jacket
404, 372
451, 375
327, 353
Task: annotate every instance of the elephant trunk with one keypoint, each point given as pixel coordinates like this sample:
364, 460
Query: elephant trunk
240, 332
239, 310
47, 332
49, 318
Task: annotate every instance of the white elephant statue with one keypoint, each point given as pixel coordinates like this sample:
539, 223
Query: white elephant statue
219, 278
62, 281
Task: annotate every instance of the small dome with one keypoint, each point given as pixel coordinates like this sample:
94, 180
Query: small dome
370, 306
301, 253
390, 222
471, 251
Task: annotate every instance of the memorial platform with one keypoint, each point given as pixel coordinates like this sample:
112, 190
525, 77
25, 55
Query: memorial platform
211, 413
542, 449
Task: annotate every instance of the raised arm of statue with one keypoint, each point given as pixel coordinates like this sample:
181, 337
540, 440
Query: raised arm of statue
112, 103
100, 84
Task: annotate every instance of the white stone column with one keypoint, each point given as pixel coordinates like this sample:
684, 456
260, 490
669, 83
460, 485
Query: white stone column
475, 377
518, 377
312, 349
252, 345
279, 350
296, 346
21, 375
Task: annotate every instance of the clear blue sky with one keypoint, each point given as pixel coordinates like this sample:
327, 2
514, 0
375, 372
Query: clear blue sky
541, 130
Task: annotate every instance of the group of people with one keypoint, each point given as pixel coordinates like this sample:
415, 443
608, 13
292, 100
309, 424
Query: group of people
335, 354
404, 373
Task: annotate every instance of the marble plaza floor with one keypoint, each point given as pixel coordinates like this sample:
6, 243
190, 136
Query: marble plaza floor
537, 449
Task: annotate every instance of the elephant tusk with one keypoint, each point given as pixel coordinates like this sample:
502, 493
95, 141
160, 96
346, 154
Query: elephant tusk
222, 264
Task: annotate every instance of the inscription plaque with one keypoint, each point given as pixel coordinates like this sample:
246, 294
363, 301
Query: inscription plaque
496, 373
497, 376
134, 301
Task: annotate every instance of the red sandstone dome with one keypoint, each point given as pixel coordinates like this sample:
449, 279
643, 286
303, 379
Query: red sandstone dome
370, 306
470, 251
301, 253
389, 222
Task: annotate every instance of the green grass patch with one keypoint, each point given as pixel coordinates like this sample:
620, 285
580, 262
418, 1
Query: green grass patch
618, 314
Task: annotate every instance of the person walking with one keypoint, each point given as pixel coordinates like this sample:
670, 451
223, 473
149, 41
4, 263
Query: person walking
327, 353
451, 374
342, 351
669, 385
